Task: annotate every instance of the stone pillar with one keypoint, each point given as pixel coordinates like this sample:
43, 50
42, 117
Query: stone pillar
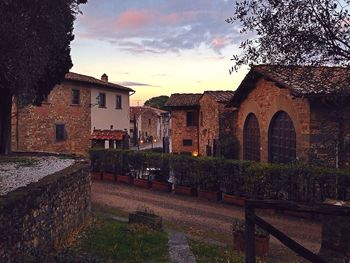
335, 244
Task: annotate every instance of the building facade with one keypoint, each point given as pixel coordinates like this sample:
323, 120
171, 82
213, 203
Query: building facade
290, 114
64, 123
184, 109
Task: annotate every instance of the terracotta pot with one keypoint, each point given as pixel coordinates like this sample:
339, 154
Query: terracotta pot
161, 186
109, 177
261, 243
142, 183
124, 179
210, 195
185, 190
96, 175
234, 199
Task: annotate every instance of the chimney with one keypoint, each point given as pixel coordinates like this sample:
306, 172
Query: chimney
104, 77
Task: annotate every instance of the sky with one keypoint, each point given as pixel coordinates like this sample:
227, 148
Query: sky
158, 47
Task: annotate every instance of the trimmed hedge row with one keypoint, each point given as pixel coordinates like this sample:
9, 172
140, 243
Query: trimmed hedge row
295, 182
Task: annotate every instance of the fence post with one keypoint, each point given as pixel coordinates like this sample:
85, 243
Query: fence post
249, 234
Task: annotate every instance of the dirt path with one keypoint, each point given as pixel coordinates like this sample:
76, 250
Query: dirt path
205, 219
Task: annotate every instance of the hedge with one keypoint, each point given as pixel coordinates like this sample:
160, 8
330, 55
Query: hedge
294, 182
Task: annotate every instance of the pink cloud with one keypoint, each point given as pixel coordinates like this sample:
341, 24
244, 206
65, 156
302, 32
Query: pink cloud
134, 19
171, 19
218, 42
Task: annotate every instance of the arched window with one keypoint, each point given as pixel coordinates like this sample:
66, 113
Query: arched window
251, 138
282, 139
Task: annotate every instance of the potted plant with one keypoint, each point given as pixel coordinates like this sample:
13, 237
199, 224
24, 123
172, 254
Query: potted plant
123, 171
109, 161
142, 176
96, 156
161, 177
208, 179
233, 182
183, 170
262, 238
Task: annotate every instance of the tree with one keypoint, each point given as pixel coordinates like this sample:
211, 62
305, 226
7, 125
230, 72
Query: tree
157, 102
293, 32
34, 53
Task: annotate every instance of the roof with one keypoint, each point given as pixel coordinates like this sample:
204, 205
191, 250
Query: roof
107, 135
221, 96
139, 110
87, 79
302, 81
183, 100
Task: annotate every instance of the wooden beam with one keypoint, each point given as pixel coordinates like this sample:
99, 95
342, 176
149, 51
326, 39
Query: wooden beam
249, 235
288, 242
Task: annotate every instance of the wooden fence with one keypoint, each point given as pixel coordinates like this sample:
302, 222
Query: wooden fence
251, 219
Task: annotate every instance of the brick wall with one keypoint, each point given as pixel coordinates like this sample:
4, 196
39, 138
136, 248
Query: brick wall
329, 125
215, 122
266, 100
36, 125
180, 132
39, 218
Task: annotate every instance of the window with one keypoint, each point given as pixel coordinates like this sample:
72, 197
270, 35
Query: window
60, 132
102, 100
118, 102
191, 118
282, 139
201, 114
75, 96
251, 138
187, 142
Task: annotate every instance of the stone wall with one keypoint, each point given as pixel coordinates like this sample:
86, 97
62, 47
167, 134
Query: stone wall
266, 100
33, 128
37, 219
181, 132
215, 122
328, 126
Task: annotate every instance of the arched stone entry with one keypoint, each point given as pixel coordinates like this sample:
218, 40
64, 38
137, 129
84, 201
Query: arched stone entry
251, 138
282, 139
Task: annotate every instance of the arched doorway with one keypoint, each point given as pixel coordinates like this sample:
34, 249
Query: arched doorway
251, 138
282, 139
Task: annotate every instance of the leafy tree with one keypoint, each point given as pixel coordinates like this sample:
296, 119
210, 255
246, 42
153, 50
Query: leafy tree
157, 102
34, 53
293, 32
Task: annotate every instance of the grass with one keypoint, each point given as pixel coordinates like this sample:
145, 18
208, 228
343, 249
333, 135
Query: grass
113, 241
214, 253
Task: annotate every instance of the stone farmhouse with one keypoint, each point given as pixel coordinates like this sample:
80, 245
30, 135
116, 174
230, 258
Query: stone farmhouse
184, 110
294, 113
278, 114
148, 122
79, 113
215, 121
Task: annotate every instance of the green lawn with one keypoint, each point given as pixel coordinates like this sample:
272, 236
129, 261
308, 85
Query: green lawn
205, 253
111, 241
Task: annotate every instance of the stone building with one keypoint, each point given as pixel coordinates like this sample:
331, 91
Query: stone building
65, 122
184, 109
294, 113
148, 122
215, 121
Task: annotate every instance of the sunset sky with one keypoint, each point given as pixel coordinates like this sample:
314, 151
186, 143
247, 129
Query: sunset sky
158, 47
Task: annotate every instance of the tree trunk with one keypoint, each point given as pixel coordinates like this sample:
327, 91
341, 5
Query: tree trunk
5, 121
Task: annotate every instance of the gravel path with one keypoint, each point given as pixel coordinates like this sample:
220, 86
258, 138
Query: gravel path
206, 219
17, 174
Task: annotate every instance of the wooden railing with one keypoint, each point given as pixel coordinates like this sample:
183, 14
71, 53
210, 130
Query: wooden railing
251, 219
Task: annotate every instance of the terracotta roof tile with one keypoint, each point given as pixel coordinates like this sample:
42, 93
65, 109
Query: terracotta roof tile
107, 135
183, 100
221, 96
302, 81
87, 79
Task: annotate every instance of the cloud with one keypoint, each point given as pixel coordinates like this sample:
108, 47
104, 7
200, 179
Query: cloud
136, 84
157, 26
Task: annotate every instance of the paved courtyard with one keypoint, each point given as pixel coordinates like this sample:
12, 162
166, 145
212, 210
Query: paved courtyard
206, 220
